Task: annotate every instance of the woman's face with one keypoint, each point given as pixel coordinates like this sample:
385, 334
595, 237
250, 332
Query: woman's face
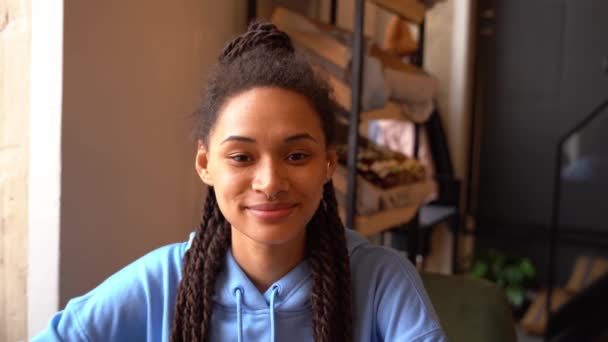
267, 160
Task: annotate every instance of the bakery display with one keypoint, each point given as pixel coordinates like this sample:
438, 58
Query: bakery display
382, 167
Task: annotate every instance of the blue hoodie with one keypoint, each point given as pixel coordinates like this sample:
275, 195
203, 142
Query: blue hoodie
137, 303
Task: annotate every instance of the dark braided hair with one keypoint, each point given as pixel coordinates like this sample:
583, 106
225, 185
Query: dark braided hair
243, 65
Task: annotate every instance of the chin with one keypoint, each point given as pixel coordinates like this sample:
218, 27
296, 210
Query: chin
271, 233
276, 235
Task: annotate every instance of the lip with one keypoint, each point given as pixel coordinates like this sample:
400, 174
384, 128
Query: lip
271, 211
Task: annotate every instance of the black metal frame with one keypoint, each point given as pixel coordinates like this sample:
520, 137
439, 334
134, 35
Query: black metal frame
333, 10
252, 11
553, 232
353, 132
449, 188
353, 127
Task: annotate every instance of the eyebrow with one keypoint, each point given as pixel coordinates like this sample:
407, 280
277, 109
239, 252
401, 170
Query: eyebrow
238, 138
287, 140
299, 137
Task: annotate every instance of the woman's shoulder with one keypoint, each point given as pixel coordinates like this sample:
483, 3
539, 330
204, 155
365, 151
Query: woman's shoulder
366, 256
141, 291
389, 292
384, 270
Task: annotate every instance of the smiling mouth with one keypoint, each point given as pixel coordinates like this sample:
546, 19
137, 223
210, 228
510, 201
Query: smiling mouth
271, 211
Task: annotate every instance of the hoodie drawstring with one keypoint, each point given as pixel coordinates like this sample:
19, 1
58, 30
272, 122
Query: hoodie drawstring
275, 290
239, 313
238, 292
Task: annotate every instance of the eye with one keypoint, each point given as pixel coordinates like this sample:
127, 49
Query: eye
298, 156
240, 158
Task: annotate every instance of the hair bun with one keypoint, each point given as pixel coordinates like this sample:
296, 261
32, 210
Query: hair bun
258, 34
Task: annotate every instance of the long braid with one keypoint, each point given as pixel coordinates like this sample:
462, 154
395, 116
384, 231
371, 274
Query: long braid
330, 268
202, 264
185, 302
341, 261
322, 282
220, 242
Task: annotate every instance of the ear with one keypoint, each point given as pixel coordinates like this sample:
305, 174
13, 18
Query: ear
201, 164
332, 162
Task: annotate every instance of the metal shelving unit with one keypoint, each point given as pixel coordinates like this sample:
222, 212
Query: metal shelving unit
447, 208
422, 220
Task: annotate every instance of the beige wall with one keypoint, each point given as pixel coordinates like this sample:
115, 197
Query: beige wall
133, 72
15, 29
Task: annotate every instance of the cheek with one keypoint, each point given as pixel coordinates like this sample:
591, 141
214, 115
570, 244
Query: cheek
310, 183
227, 178
229, 188
227, 196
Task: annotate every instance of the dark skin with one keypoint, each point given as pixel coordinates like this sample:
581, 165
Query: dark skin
267, 160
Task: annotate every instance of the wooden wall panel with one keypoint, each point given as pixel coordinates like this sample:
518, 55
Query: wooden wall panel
15, 31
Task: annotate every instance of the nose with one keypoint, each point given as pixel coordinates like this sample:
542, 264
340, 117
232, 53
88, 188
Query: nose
270, 178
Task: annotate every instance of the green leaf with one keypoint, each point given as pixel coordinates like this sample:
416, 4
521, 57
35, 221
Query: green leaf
513, 275
479, 270
527, 268
498, 265
515, 295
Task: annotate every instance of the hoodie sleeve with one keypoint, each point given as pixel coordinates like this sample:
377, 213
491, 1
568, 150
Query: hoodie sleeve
64, 326
405, 312
132, 305
101, 314
401, 307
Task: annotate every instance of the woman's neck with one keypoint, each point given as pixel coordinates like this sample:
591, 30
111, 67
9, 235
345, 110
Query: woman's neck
266, 263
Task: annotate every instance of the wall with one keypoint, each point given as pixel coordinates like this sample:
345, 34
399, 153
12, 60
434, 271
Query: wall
449, 56
132, 74
44, 176
15, 30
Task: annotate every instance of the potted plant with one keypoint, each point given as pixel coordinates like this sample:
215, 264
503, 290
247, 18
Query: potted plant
511, 273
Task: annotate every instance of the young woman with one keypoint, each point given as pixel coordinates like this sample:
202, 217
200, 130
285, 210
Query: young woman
271, 260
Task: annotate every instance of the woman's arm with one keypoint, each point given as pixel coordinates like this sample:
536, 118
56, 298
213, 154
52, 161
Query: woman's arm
135, 304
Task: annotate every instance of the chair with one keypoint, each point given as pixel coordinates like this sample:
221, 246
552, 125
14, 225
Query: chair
470, 309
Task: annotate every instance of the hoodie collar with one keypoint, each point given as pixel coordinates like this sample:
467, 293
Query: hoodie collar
293, 288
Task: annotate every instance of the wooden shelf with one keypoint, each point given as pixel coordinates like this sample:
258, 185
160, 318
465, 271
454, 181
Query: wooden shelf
411, 10
333, 57
342, 94
315, 36
391, 110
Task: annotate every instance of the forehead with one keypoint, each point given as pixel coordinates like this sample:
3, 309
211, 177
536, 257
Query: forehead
267, 112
